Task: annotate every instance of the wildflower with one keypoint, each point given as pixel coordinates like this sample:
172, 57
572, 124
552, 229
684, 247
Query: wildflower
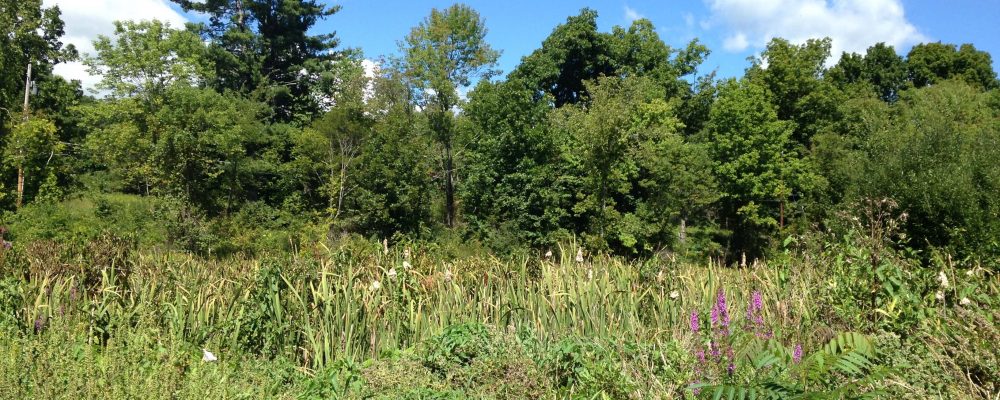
754, 307
548, 254
579, 255
797, 354
694, 321
720, 312
375, 286
406, 265
385, 246
207, 356
970, 272
731, 369
392, 273
943, 279
675, 294
406, 254
39, 323
447, 275
701, 355
965, 301
939, 295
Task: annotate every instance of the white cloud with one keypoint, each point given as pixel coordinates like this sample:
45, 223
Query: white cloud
86, 19
853, 25
736, 43
688, 20
631, 14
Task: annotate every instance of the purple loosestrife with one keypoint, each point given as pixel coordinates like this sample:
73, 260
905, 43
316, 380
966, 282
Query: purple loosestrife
797, 354
755, 316
694, 321
720, 313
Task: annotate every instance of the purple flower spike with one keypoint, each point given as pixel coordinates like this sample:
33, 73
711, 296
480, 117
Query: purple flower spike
797, 354
731, 369
694, 321
720, 312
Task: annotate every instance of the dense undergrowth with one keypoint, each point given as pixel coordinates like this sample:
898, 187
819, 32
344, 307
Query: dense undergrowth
101, 315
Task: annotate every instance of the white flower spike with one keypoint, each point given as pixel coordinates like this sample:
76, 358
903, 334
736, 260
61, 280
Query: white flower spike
207, 356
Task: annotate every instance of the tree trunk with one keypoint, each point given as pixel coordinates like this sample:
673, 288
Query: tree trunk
449, 187
20, 167
682, 232
20, 185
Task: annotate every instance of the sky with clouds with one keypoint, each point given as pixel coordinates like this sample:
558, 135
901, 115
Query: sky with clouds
732, 29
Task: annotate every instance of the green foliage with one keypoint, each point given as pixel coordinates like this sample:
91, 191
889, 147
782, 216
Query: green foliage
144, 58
755, 163
931, 63
638, 176
576, 53
933, 156
261, 47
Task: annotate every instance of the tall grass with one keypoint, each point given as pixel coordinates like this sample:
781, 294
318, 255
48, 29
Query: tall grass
363, 302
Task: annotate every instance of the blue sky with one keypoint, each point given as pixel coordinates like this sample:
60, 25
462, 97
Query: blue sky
732, 29
517, 27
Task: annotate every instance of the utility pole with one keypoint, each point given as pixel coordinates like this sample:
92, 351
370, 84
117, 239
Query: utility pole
20, 167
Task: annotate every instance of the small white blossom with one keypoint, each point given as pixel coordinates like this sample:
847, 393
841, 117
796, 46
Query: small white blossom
207, 356
943, 279
447, 275
548, 254
965, 301
375, 286
392, 273
406, 265
674, 294
579, 255
970, 272
385, 246
939, 295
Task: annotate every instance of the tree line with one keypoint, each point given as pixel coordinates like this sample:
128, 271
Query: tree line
615, 138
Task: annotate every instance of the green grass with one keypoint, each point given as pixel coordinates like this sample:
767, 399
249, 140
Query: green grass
106, 320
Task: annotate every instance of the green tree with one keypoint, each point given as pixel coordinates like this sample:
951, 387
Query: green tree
514, 191
640, 178
576, 52
930, 63
442, 54
573, 53
29, 34
144, 58
793, 74
936, 155
30, 148
880, 67
393, 186
756, 164
265, 48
